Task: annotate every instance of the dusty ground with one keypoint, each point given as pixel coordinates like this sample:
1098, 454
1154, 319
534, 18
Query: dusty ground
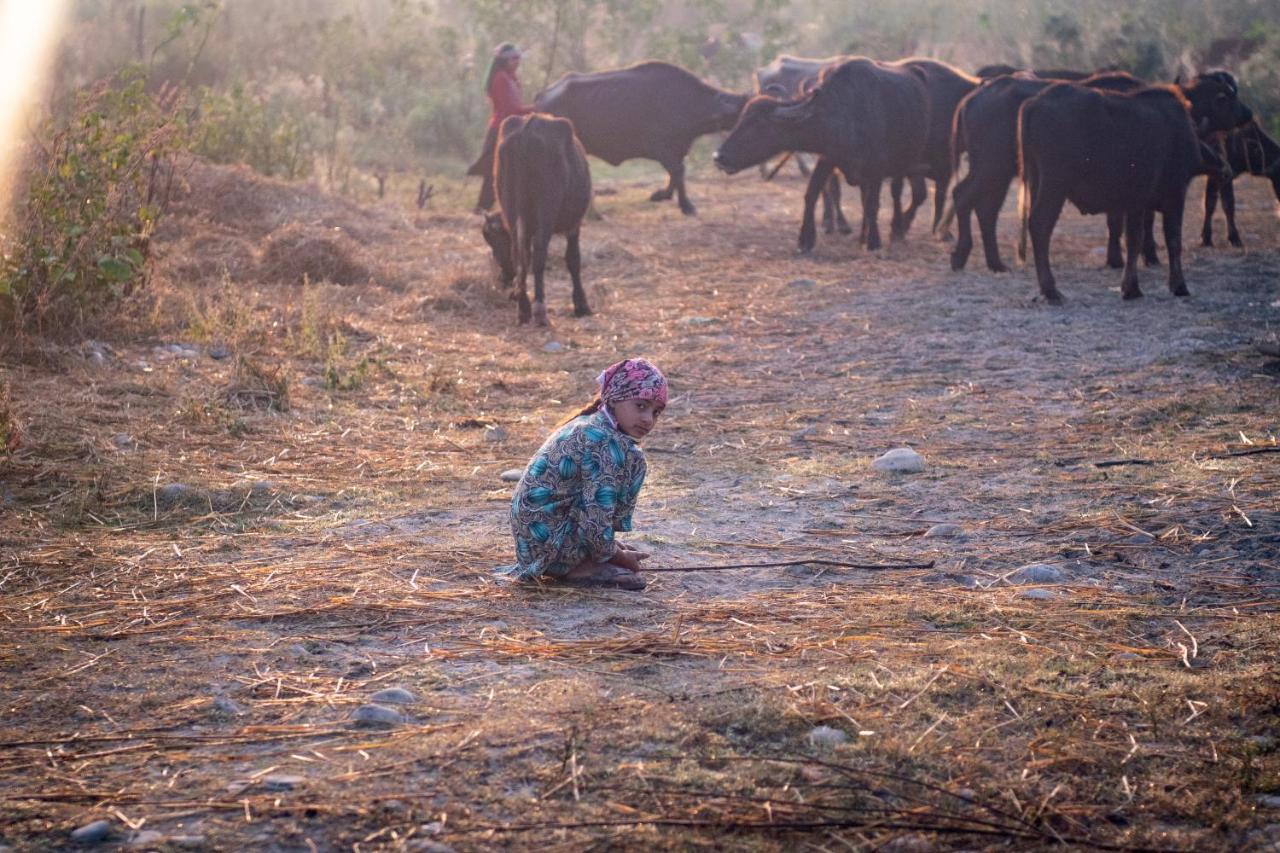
171, 653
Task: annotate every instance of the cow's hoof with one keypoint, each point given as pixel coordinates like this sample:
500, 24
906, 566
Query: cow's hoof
660, 195
1115, 263
1180, 290
828, 228
998, 266
688, 209
1152, 261
1236, 241
540, 313
582, 310
1131, 293
1206, 242
958, 262
1052, 297
844, 227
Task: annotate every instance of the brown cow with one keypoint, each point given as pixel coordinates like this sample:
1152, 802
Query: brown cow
1249, 151
544, 188
868, 119
1107, 152
652, 110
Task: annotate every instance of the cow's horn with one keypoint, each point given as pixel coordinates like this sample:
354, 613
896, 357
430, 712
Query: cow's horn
792, 112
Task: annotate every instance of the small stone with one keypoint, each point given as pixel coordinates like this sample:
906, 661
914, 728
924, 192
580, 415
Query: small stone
143, 366
262, 487
190, 842
553, 346
178, 494
900, 460
511, 475
395, 696
147, 838
1268, 801
945, 531
495, 433
282, 783
803, 434
313, 382
219, 351
1138, 539
377, 716
1038, 594
801, 282
699, 321
825, 737
426, 845
1038, 573
1126, 657
968, 581
227, 705
1262, 743
92, 833
124, 441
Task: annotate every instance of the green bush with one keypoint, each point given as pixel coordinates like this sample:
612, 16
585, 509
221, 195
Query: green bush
273, 137
95, 189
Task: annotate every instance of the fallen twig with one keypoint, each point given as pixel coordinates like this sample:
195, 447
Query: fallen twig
810, 562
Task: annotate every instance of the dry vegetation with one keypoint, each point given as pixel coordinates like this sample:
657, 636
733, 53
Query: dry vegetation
219, 541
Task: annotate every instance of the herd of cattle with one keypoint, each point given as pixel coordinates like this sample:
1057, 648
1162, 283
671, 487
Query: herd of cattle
1107, 142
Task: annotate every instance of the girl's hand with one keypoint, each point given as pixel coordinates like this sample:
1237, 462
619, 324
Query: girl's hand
627, 558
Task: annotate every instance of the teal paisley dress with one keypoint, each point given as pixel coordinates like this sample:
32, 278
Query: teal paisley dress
578, 489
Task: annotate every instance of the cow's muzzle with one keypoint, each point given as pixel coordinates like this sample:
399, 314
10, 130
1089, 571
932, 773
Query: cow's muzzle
722, 165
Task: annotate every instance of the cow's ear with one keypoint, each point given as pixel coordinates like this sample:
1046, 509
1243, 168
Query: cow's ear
793, 112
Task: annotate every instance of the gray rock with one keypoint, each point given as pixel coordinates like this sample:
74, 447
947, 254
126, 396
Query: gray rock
189, 842
313, 382
699, 321
900, 460
377, 716
147, 838
495, 433
179, 494
262, 487
801, 435
227, 705
1038, 573
1138, 539
1039, 594
124, 441
1126, 657
92, 833
1262, 743
395, 696
801, 282
945, 531
426, 845
1268, 801
553, 346
511, 475
969, 581
282, 782
825, 737
219, 351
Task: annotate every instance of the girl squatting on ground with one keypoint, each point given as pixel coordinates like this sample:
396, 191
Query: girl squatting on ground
581, 486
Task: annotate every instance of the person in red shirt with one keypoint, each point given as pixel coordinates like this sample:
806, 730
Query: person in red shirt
505, 99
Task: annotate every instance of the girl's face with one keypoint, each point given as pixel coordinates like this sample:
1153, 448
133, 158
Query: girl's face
636, 417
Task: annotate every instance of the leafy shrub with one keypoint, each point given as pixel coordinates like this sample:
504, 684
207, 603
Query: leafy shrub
95, 190
272, 136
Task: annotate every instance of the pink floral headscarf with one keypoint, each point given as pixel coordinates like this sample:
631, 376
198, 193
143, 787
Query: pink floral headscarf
632, 379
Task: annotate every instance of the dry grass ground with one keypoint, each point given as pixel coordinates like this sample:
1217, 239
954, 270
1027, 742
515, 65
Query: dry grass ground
314, 515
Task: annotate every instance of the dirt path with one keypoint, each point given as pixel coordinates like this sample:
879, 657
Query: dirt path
190, 668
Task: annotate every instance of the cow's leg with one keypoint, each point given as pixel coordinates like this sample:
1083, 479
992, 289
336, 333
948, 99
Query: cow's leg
1133, 238
1210, 204
539, 261
918, 194
988, 211
962, 198
898, 225
1043, 215
870, 211
940, 187
817, 181
1172, 222
573, 260
804, 167
669, 190
682, 197
828, 210
833, 187
1115, 227
1149, 255
1229, 208
524, 251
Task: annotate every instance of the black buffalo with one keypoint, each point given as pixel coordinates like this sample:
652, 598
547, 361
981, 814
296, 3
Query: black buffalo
868, 119
1119, 153
1248, 151
652, 110
988, 72
985, 127
544, 188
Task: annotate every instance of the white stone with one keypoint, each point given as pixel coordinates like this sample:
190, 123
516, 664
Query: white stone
825, 737
92, 833
553, 346
1038, 594
900, 460
511, 475
394, 696
376, 716
944, 531
495, 433
1038, 573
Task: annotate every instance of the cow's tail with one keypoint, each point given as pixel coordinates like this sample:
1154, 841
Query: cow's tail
1024, 190
959, 144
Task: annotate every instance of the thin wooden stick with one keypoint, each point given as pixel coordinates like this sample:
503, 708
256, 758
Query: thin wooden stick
810, 562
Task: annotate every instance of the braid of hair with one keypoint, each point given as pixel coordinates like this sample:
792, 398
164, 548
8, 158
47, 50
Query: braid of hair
589, 409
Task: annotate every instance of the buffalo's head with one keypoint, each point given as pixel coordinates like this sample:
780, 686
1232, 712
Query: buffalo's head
499, 240
765, 128
1215, 102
